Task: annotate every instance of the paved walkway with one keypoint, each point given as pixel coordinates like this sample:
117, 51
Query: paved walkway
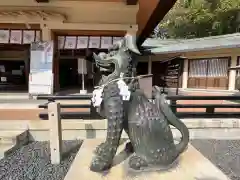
205, 102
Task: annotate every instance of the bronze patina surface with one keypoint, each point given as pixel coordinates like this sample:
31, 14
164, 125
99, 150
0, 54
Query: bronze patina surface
146, 122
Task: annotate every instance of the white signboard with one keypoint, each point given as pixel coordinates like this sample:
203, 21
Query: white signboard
37, 36
16, 37
94, 42
82, 42
3, 79
28, 36
106, 42
41, 82
41, 76
116, 39
4, 36
41, 56
82, 66
70, 42
48, 54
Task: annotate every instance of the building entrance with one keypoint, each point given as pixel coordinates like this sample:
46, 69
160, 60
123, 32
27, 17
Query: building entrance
68, 76
75, 48
14, 67
71, 76
168, 74
13, 75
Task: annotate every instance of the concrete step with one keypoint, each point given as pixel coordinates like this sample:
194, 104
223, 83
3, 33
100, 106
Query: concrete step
10, 96
13, 137
192, 165
74, 101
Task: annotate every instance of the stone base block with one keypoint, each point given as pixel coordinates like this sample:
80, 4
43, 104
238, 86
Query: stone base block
192, 165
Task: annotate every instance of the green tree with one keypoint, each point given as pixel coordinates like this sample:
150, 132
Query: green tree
201, 18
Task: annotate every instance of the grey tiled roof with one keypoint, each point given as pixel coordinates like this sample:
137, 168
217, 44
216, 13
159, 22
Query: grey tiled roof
159, 46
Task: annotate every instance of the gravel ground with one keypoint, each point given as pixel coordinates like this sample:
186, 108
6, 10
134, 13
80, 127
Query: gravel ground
225, 154
32, 162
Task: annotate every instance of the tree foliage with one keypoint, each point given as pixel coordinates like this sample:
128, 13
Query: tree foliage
201, 18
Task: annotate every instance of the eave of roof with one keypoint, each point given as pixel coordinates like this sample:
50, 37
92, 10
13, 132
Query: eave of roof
197, 44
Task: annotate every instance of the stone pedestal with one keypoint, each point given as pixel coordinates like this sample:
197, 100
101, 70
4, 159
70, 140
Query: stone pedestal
192, 166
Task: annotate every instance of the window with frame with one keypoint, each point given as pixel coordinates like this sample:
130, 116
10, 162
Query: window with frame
198, 68
212, 67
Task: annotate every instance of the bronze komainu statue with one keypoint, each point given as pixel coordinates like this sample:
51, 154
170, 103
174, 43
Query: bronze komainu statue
120, 100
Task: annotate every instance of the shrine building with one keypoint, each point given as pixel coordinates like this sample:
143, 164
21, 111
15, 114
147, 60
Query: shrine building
207, 63
78, 28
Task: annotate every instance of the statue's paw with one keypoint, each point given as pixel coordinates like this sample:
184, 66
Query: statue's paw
100, 148
136, 162
98, 164
103, 148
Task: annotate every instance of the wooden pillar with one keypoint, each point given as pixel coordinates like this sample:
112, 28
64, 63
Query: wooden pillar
56, 73
232, 73
27, 67
149, 65
47, 35
185, 74
150, 13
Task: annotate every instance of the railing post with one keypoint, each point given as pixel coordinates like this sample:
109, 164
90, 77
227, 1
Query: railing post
210, 110
55, 132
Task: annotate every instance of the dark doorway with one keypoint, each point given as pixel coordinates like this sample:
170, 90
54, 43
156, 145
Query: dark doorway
14, 67
68, 73
167, 74
142, 68
13, 75
158, 71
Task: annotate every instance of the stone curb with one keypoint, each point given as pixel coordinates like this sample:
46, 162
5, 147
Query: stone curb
193, 165
79, 124
29, 105
212, 123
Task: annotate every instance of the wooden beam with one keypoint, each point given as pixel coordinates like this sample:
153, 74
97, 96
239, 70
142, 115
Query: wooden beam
42, 1
149, 15
91, 26
19, 26
99, 0
128, 2
88, 33
131, 2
